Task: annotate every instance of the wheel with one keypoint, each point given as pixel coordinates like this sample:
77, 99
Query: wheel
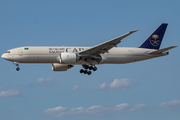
89, 73
95, 68
17, 68
87, 67
85, 71
81, 71
90, 68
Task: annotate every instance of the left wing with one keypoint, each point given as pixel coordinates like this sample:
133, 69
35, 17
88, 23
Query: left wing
104, 47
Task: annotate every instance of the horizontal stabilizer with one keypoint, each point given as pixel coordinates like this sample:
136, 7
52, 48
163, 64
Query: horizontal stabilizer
162, 50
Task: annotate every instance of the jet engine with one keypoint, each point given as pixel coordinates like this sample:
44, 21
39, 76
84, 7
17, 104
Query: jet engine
68, 57
60, 67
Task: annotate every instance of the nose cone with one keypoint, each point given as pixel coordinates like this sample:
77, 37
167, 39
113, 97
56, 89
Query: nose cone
3, 56
6, 57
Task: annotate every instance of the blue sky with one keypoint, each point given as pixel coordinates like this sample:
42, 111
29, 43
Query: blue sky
142, 90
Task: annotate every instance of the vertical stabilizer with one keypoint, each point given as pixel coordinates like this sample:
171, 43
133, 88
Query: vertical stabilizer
155, 39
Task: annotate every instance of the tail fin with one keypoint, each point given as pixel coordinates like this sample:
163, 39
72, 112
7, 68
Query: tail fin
155, 39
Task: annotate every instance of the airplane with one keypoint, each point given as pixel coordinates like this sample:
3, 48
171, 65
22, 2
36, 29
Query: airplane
64, 58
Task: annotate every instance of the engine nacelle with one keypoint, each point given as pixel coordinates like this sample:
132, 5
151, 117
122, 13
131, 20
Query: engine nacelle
60, 67
68, 57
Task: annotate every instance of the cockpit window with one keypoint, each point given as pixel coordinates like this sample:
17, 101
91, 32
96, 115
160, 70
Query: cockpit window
7, 52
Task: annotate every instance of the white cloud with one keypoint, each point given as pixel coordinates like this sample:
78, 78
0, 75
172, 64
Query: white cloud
123, 106
41, 80
97, 109
75, 87
118, 84
9, 93
94, 109
136, 107
73, 111
56, 110
130, 108
103, 86
170, 104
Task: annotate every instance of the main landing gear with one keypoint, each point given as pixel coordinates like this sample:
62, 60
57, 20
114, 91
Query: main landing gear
86, 67
85, 71
17, 66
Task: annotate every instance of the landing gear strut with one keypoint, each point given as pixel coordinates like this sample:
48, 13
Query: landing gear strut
17, 66
86, 67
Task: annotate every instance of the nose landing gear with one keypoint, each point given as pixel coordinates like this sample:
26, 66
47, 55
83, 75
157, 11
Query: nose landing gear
18, 68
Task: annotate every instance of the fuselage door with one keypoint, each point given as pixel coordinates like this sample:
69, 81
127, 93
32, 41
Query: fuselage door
20, 52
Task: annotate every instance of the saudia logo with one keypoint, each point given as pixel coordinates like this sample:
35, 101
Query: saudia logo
154, 40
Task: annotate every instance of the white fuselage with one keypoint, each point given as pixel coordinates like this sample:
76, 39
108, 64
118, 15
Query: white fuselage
116, 55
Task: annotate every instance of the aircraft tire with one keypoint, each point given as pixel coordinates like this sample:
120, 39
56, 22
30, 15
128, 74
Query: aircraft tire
89, 73
85, 71
90, 68
81, 71
87, 67
95, 68
17, 68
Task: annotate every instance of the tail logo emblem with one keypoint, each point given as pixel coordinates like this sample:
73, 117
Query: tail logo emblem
154, 41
